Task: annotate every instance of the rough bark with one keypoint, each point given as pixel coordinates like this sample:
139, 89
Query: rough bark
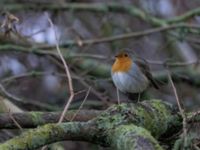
124, 126
34, 119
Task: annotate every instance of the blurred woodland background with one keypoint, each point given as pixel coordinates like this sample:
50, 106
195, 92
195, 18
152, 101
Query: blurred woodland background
90, 32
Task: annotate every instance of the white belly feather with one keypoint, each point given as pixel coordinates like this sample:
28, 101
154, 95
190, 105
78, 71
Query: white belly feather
135, 82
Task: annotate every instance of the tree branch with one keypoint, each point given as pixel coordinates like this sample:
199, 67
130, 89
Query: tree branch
125, 36
124, 126
101, 8
188, 15
34, 119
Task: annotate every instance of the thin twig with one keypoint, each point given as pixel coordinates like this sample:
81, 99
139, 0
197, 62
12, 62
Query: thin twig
7, 94
86, 96
14, 98
12, 118
40, 73
79, 92
173, 64
196, 145
15, 122
71, 90
193, 115
82, 81
180, 109
23, 75
126, 35
35, 33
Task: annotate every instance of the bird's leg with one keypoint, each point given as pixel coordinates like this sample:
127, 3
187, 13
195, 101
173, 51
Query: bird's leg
138, 97
118, 97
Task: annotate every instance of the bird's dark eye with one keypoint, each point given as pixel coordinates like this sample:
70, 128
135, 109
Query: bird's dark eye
125, 55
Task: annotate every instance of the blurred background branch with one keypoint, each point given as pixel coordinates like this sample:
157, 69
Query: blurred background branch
164, 32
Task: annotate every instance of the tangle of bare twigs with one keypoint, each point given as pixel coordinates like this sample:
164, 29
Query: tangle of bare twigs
71, 90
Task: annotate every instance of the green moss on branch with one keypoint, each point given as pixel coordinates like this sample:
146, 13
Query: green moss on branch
132, 124
34, 119
131, 137
44, 135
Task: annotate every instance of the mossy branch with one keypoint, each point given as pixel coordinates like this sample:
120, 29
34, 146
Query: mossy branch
102, 8
131, 124
188, 15
34, 119
123, 137
102, 70
131, 137
190, 76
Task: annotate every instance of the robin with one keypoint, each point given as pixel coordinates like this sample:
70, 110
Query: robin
131, 75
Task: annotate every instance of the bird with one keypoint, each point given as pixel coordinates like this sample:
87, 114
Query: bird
131, 75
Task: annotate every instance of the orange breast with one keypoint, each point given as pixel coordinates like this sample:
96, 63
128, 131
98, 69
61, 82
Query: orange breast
121, 65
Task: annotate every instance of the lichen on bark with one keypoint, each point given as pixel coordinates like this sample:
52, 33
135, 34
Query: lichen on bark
125, 126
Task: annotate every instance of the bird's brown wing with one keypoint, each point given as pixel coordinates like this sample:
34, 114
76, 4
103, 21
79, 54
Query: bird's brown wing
144, 67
